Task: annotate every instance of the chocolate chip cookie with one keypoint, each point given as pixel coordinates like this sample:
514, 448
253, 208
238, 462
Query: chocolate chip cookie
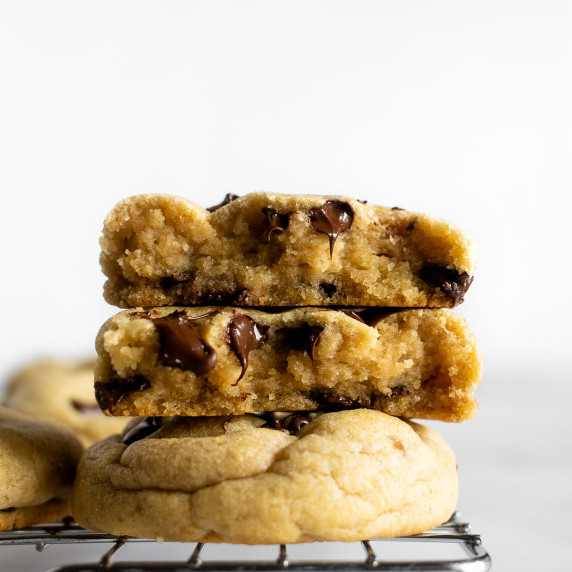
61, 392
225, 360
37, 469
266, 249
341, 476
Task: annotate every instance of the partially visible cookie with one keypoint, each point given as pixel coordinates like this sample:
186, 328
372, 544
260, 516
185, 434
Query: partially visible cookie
342, 476
266, 249
37, 470
61, 392
196, 361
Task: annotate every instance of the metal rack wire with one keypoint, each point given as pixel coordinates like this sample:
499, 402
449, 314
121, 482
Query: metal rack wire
476, 558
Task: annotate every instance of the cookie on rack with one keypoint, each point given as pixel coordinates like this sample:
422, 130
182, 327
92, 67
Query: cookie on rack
266, 249
196, 361
340, 476
61, 392
38, 467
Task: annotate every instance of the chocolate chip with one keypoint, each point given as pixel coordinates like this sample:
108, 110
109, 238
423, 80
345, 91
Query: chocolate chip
450, 281
336, 402
147, 426
9, 509
303, 338
328, 289
291, 423
332, 218
228, 198
223, 296
371, 316
177, 278
181, 345
85, 408
110, 393
243, 336
273, 420
396, 209
277, 223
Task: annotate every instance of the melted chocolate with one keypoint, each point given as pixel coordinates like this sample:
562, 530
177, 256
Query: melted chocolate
243, 336
332, 218
273, 421
109, 394
450, 281
277, 223
181, 345
85, 408
222, 296
228, 198
303, 338
371, 316
9, 509
147, 426
291, 423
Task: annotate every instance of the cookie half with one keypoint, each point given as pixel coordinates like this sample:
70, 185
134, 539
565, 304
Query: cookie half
219, 361
343, 476
61, 392
266, 249
37, 470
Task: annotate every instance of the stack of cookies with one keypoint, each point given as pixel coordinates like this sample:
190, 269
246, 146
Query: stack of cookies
276, 347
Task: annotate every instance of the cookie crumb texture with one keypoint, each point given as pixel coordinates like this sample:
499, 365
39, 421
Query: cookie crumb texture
345, 476
281, 250
218, 361
37, 470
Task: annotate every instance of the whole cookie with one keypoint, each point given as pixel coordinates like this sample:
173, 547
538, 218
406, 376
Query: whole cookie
342, 476
61, 392
37, 470
266, 249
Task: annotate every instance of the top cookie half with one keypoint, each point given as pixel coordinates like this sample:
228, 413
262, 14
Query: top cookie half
266, 249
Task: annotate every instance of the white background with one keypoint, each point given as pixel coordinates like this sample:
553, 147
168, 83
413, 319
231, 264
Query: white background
453, 108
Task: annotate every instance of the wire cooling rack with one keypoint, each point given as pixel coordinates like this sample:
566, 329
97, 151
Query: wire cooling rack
374, 556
